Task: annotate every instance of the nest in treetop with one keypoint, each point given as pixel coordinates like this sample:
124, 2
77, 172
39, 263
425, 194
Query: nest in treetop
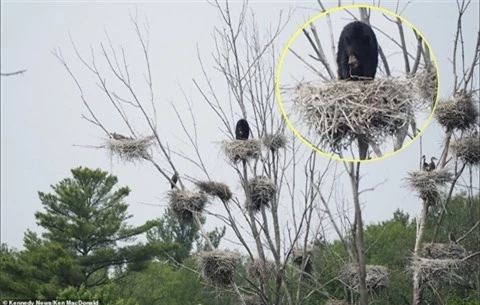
336, 302
241, 150
300, 257
217, 189
338, 111
467, 149
444, 251
376, 277
274, 141
426, 183
129, 149
441, 263
256, 270
459, 112
252, 300
184, 203
218, 267
262, 190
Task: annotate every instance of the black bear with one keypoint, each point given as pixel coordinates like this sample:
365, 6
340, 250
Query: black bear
242, 130
357, 55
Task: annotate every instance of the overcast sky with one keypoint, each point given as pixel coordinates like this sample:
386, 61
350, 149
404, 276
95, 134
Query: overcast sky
41, 109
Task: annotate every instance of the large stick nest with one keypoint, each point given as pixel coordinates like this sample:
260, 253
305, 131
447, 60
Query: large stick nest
274, 141
262, 190
458, 112
256, 270
185, 203
217, 189
467, 149
443, 251
338, 111
376, 277
426, 183
241, 150
129, 149
440, 263
218, 267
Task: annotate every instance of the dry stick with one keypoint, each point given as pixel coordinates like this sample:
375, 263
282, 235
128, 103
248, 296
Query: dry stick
13, 73
468, 232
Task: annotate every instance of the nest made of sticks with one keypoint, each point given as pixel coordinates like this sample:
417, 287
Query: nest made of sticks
274, 141
376, 277
218, 267
130, 149
217, 189
184, 203
467, 149
262, 190
458, 112
426, 183
338, 110
257, 271
443, 251
241, 150
437, 271
336, 302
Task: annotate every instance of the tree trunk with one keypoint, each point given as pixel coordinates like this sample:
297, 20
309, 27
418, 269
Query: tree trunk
417, 289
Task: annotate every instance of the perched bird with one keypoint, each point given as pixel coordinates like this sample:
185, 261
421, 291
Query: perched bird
357, 55
242, 130
119, 137
425, 165
452, 238
432, 166
174, 180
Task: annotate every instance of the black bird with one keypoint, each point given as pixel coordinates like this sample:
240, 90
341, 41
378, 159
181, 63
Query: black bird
357, 56
242, 130
432, 166
452, 238
425, 165
174, 180
119, 137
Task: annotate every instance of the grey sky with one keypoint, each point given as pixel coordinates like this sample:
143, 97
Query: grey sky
41, 110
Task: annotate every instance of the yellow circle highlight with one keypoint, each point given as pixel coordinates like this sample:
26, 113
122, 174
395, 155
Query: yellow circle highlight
292, 39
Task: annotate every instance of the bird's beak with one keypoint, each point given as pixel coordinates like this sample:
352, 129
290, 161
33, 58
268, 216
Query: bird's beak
353, 61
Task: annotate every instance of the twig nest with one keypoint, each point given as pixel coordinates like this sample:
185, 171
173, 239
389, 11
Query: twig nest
467, 149
301, 257
376, 277
336, 302
274, 141
129, 149
256, 270
218, 267
252, 300
443, 251
338, 111
441, 263
262, 190
458, 112
185, 203
217, 189
427, 84
241, 150
426, 183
